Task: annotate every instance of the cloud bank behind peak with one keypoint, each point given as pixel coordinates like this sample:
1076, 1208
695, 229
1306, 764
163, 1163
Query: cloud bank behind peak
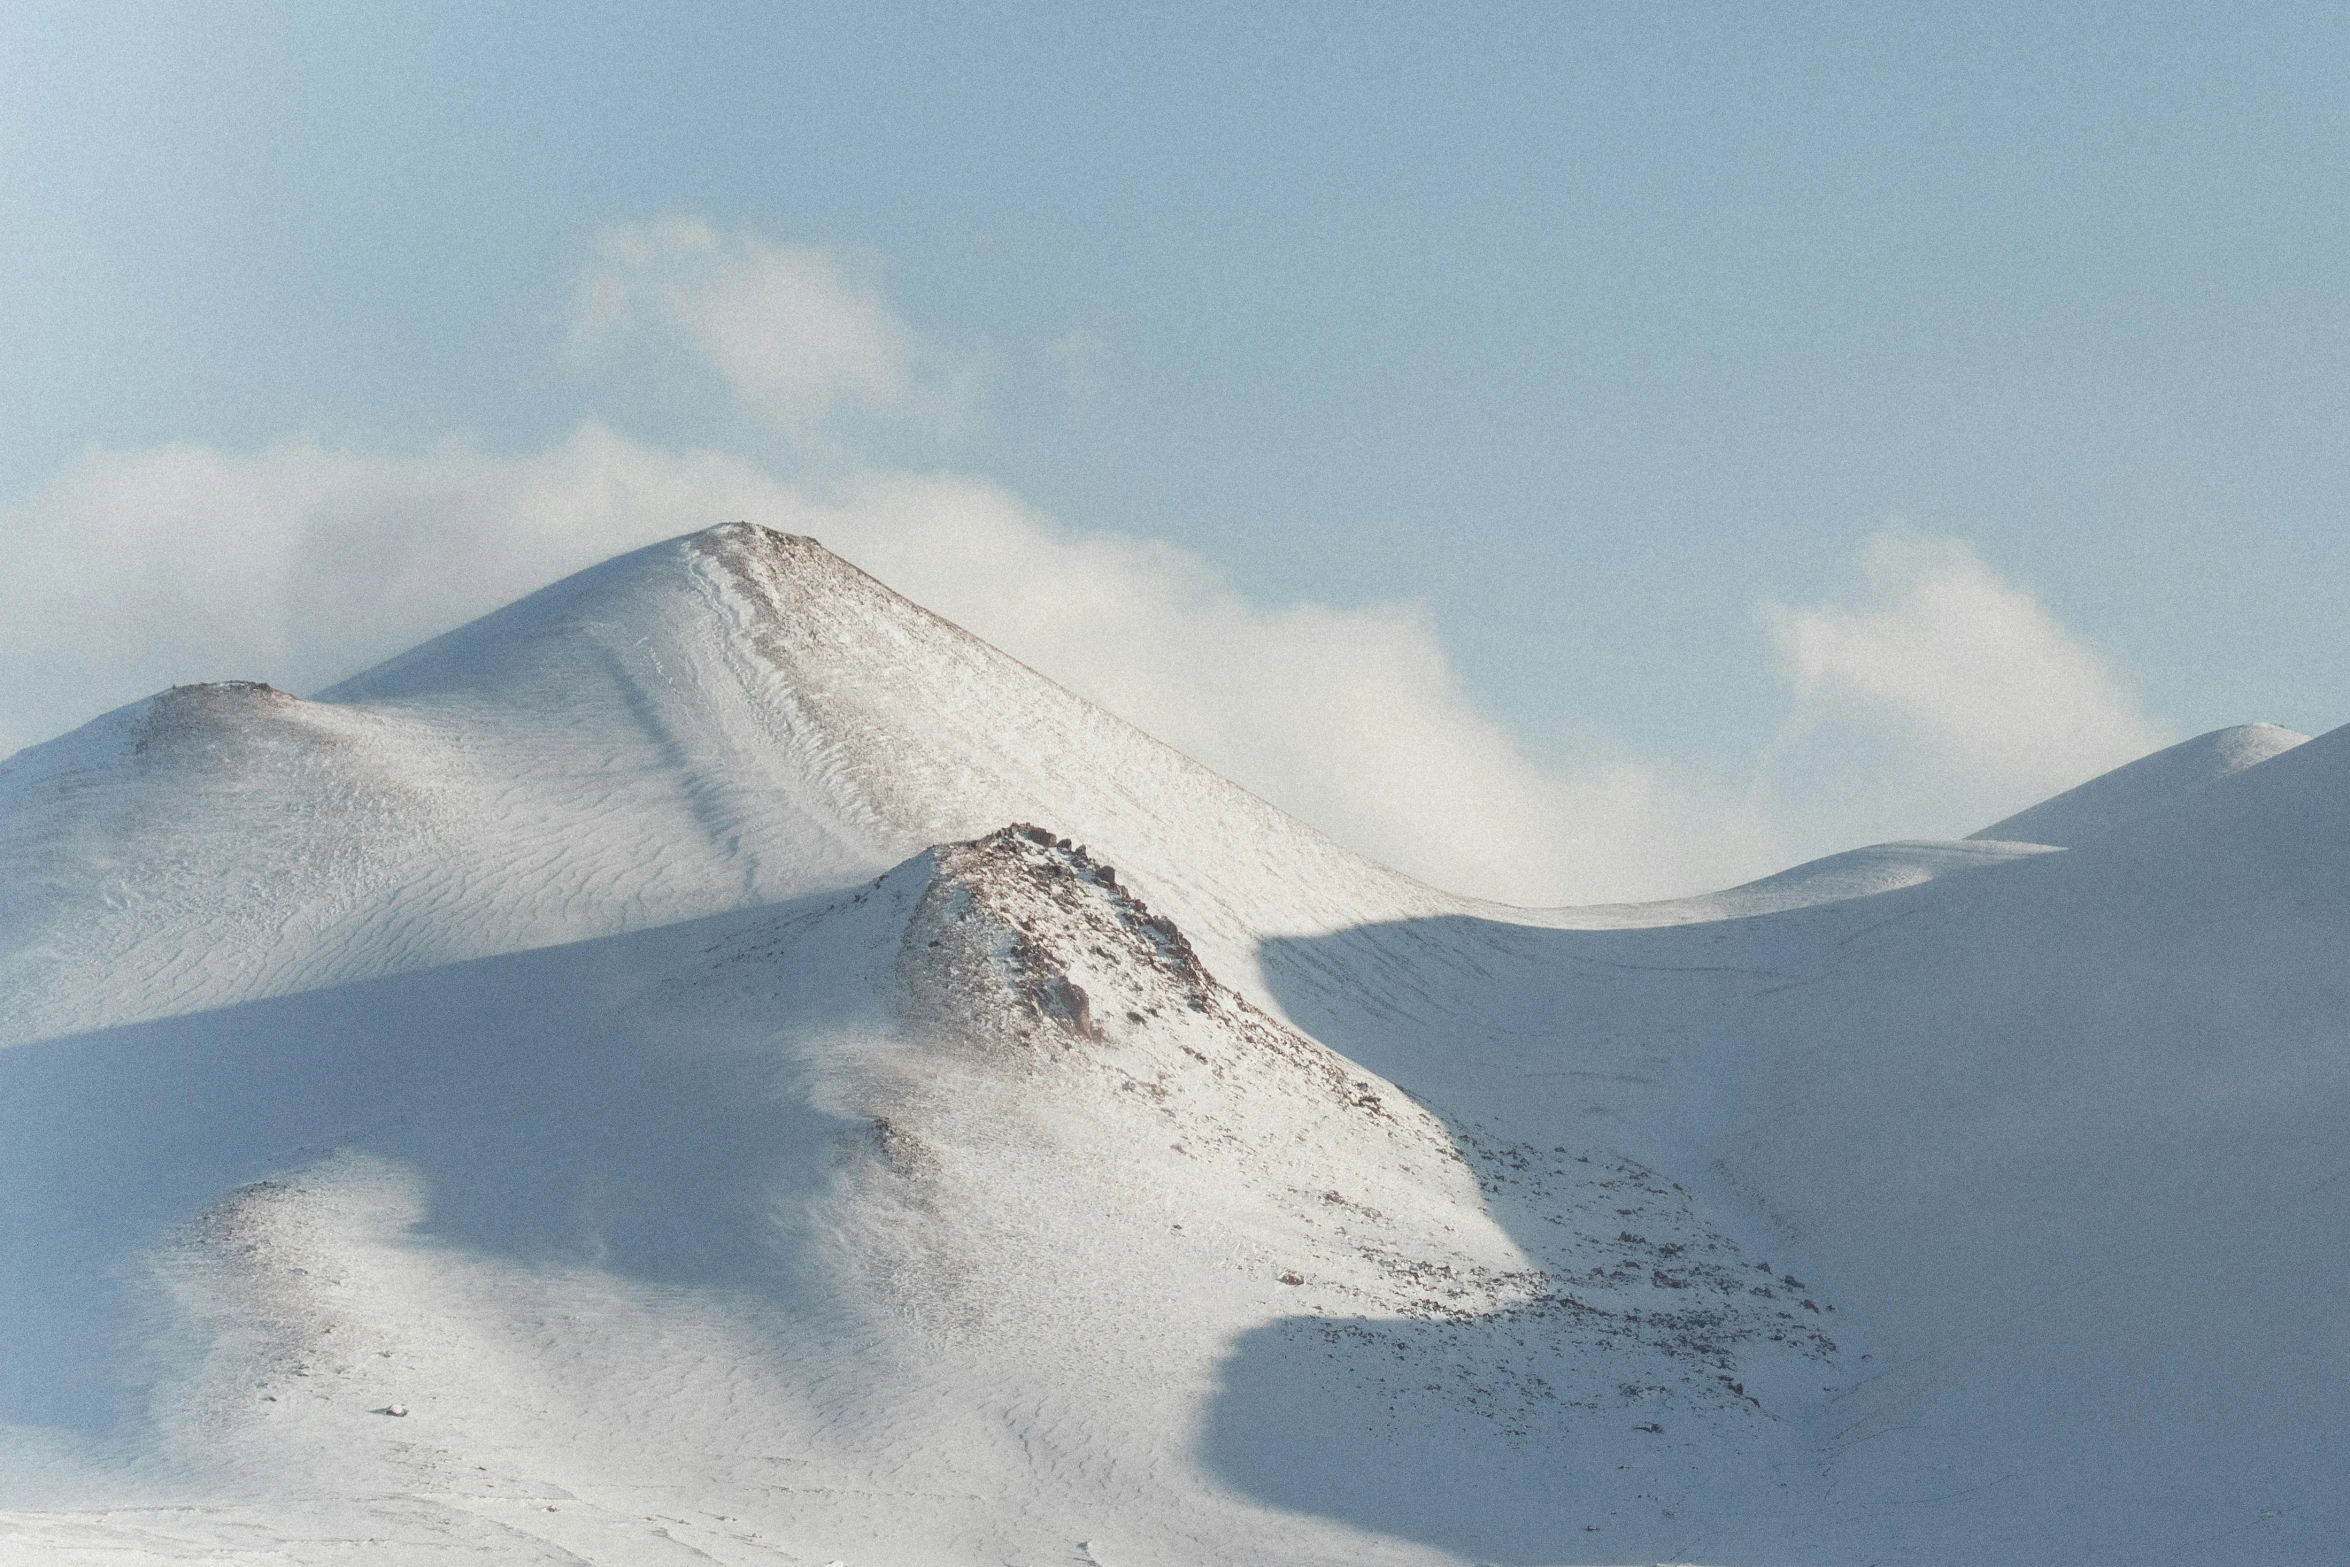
1939, 698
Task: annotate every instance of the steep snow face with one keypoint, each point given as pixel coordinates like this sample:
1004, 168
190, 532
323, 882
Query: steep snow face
2147, 784
718, 722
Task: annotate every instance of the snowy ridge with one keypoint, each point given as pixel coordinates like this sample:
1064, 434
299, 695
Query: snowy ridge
2147, 784
1834, 878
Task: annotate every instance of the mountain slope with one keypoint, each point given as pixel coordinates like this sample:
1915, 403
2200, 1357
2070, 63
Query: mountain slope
966, 1216
2054, 1138
724, 720
2145, 785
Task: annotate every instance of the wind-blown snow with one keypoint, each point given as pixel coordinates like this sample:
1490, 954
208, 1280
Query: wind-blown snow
631, 1037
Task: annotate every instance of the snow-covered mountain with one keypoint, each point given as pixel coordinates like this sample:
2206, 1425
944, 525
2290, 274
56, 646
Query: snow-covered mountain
712, 1062
719, 722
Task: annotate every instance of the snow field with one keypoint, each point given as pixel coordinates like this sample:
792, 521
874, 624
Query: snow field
629, 1035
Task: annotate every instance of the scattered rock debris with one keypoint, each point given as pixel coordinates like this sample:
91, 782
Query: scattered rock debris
1026, 948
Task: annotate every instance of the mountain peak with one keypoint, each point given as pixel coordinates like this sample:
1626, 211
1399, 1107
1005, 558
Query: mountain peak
650, 594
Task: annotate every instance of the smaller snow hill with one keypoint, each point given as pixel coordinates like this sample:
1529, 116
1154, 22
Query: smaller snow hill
2145, 785
964, 1217
2058, 1140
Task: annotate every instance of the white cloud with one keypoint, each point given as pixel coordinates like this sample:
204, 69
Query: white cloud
1995, 700
794, 334
299, 564
1353, 719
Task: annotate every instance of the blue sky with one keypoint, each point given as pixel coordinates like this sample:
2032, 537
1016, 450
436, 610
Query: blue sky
1597, 330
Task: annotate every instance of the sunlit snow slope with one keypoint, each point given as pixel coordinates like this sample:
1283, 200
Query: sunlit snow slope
717, 722
712, 1063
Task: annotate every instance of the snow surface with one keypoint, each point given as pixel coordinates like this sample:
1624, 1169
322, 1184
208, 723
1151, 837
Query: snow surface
630, 1035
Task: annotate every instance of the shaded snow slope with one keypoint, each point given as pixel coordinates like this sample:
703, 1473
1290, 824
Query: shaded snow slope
2147, 784
2071, 1137
2060, 1142
720, 721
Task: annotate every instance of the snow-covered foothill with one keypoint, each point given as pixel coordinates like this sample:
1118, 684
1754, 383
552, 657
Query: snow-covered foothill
2143, 786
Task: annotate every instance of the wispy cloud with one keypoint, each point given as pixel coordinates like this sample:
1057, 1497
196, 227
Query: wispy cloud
797, 333
1353, 718
1991, 696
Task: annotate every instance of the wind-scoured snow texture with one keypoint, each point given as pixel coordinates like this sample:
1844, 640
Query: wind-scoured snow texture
2145, 785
